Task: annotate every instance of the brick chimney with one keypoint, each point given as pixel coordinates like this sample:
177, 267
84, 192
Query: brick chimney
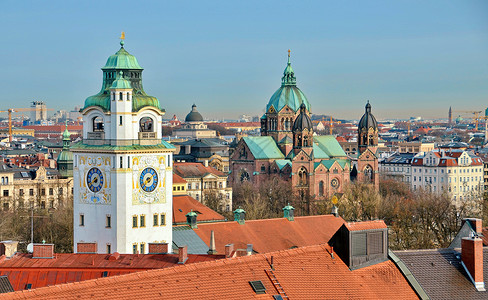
229, 250
182, 254
43, 251
472, 260
158, 248
86, 247
476, 224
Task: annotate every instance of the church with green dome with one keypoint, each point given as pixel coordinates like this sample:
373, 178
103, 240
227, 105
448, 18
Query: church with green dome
315, 166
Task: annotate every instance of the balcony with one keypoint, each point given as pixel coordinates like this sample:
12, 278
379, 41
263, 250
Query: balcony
147, 135
96, 135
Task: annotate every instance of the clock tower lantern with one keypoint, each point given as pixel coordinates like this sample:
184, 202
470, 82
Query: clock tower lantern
122, 169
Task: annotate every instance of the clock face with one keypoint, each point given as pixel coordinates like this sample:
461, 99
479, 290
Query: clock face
148, 180
94, 179
334, 183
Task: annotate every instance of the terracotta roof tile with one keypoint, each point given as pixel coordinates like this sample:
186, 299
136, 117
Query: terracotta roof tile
188, 169
271, 234
178, 179
184, 204
69, 267
303, 273
365, 225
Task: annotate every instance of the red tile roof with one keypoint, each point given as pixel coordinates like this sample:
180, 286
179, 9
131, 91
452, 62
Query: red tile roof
22, 269
303, 273
341, 139
178, 179
271, 234
365, 225
417, 162
448, 162
188, 169
184, 204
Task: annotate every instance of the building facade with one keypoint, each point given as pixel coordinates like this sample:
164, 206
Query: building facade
40, 188
122, 169
204, 181
455, 171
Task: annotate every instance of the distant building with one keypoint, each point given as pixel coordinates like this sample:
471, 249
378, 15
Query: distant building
40, 188
204, 181
39, 112
457, 172
194, 127
213, 152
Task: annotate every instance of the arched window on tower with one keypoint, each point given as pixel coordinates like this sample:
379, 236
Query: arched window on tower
98, 125
302, 177
368, 174
146, 125
263, 169
321, 188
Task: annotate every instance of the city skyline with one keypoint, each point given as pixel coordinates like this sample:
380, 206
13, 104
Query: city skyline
407, 58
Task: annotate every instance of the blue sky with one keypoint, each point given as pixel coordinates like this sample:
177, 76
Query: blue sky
409, 58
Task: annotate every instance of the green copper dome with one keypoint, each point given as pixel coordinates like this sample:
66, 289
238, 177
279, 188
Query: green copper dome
288, 93
121, 82
126, 63
122, 60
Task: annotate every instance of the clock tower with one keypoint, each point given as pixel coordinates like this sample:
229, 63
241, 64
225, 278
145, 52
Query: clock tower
122, 169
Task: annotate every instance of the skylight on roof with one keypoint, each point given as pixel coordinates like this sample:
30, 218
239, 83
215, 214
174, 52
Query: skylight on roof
258, 286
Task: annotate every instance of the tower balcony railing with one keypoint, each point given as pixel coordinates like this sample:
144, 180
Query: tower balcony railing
96, 135
147, 135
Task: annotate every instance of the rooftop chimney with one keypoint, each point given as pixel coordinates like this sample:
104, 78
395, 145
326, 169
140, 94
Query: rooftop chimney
43, 251
191, 219
472, 260
86, 247
205, 163
229, 250
476, 224
239, 215
158, 248
288, 212
212, 249
182, 254
8, 248
249, 249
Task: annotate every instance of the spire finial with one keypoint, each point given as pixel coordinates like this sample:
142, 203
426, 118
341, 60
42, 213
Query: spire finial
122, 38
289, 56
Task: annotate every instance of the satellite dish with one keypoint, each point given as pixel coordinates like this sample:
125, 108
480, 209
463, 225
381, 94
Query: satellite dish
30, 247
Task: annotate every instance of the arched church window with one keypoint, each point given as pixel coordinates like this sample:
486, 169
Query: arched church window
263, 168
321, 188
146, 125
368, 173
98, 124
244, 176
302, 177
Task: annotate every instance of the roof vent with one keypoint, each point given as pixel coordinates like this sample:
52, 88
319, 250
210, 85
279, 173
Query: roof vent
5, 286
239, 215
258, 286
